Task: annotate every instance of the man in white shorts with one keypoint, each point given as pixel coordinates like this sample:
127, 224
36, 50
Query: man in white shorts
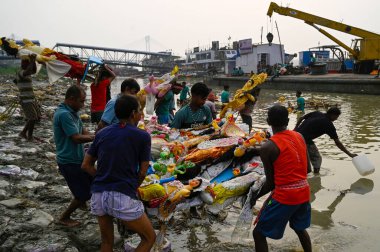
123, 154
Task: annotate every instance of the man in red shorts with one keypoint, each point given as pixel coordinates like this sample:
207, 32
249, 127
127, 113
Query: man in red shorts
286, 164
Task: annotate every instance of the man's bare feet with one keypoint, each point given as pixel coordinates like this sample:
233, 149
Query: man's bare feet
37, 140
69, 222
194, 213
23, 135
84, 207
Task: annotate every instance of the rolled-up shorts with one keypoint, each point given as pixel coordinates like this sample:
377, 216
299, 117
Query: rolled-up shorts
116, 204
78, 181
315, 156
247, 119
274, 217
96, 116
32, 110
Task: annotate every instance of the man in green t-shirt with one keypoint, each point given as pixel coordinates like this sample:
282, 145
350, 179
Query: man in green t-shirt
166, 104
183, 94
69, 137
225, 95
196, 113
300, 102
163, 107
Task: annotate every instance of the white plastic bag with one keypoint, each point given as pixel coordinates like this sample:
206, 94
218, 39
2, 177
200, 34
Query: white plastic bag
149, 106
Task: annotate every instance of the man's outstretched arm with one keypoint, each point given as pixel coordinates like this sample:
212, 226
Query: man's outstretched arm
339, 144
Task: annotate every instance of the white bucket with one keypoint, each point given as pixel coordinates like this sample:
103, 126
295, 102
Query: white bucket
363, 165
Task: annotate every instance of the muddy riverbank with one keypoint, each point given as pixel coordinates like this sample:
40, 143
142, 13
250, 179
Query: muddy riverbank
33, 193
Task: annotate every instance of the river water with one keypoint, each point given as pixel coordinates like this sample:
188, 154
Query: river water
344, 204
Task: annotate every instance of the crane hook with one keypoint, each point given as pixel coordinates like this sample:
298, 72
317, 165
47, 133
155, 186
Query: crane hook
270, 38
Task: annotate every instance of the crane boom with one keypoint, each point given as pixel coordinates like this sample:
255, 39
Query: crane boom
364, 52
309, 18
352, 51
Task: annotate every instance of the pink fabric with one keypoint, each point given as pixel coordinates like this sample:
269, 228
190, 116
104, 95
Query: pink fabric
151, 89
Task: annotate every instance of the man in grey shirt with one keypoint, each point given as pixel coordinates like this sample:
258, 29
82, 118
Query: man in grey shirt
27, 98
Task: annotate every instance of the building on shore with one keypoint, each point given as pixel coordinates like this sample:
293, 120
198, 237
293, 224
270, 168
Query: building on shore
162, 63
260, 56
210, 60
249, 57
335, 58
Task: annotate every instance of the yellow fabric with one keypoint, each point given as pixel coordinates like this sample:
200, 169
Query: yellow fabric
223, 193
152, 191
241, 95
47, 51
141, 97
27, 42
25, 51
175, 70
182, 193
41, 58
141, 92
13, 44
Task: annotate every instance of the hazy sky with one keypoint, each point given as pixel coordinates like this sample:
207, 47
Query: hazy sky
179, 24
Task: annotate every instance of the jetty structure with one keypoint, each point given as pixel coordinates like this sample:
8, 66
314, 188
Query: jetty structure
332, 83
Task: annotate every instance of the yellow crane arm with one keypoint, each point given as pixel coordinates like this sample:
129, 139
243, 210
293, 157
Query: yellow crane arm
349, 49
312, 19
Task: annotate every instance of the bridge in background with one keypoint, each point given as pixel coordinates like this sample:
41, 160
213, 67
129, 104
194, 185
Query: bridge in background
114, 56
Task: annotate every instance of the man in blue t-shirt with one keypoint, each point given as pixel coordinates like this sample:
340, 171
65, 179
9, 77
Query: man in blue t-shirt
122, 152
300, 102
196, 113
128, 87
314, 125
69, 136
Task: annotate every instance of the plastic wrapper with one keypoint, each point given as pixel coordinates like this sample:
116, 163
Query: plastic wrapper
15, 171
198, 156
156, 147
195, 141
230, 129
234, 187
149, 106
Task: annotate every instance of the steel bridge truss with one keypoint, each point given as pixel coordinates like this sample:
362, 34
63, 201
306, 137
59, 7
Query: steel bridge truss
114, 56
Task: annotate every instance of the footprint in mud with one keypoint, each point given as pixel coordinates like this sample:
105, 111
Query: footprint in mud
323, 172
342, 223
